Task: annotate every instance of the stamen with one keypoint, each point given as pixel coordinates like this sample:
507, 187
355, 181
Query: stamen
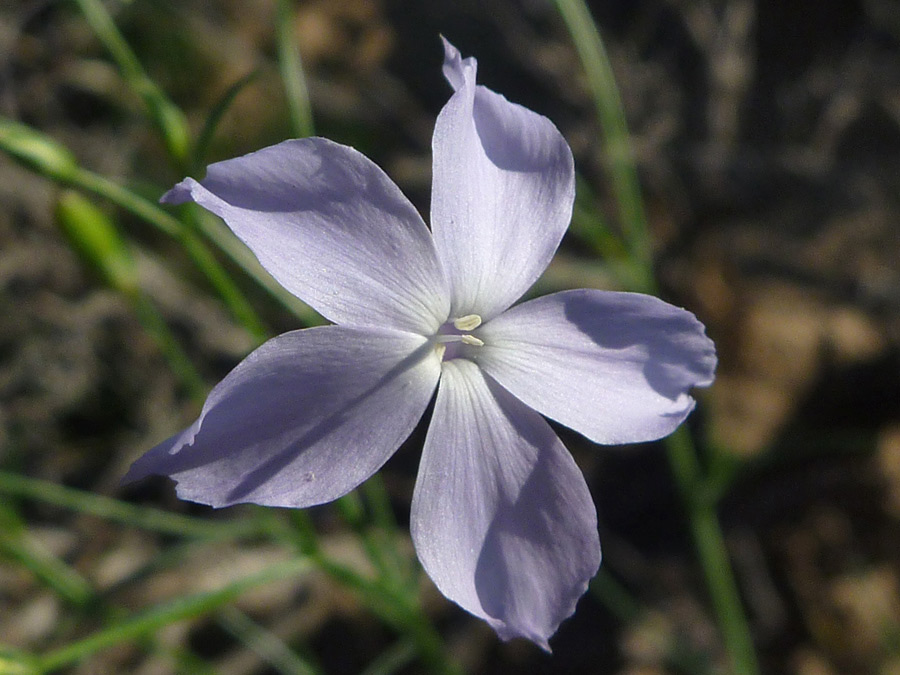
465, 339
468, 322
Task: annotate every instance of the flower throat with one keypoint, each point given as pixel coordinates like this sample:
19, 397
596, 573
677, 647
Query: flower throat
454, 338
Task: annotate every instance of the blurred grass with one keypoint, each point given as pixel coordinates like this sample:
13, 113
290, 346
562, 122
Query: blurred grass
111, 220
691, 478
392, 592
93, 235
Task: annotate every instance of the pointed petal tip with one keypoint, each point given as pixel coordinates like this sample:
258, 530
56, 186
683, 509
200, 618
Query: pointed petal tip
506, 635
183, 192
456, 69
450, 52
133, 475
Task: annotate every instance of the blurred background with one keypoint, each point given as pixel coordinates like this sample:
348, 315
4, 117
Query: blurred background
767, 141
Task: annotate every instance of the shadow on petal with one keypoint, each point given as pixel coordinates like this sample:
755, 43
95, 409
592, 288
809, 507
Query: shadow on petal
278, 435
517, 139
671, 342
324, 428
541, 548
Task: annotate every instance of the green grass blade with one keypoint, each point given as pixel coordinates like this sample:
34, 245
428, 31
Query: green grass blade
51, 159
149, 621
167, 117
94, 237
396, 658
705, 527
709, 543
291, 68
215, 116
201, 256
265, 644
37, 151
132, 515
92, 234
56, 574
611, 114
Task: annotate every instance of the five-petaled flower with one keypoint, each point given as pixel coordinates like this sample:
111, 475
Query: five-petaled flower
502, 519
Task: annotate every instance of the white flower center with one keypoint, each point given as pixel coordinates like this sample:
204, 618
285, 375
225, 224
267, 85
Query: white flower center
454, 336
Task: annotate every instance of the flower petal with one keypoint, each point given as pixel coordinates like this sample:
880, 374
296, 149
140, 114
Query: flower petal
504, 184
615, 367
502, 519
332, 228
301, 421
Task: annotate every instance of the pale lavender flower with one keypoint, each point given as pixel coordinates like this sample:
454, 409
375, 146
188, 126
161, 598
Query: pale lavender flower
502, 519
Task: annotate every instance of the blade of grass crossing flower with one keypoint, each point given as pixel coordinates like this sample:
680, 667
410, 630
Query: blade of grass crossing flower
167, 117
51, 159
149, 621
611, 115
387, 534
398, 609
201, 256
291, 68
180, 364
615, 597
588, 224
350, 507
380, 541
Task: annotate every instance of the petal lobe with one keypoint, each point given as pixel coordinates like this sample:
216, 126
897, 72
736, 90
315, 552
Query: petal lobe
504, 185
616, 367
303, 420
332, 228
502, 519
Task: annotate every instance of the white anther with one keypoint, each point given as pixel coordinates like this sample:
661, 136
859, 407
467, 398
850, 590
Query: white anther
467, 322
471, 340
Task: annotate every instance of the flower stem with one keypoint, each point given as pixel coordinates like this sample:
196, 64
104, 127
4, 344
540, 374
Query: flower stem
689, 475
712, 552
